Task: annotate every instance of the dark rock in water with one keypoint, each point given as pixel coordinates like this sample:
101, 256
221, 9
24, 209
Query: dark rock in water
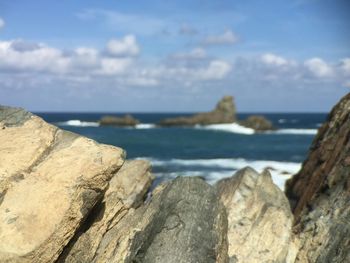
257, 210
184, 222
126, 120
258, 123
320, 193
225, 112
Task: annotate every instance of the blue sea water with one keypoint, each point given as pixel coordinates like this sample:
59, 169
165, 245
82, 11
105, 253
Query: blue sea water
212, 152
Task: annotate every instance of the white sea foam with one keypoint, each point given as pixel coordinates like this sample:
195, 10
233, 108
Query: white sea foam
294, 131
280, 171
227, 127
79, 123
145, 126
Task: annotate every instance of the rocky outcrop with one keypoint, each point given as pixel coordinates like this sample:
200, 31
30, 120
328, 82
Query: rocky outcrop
258, 123
51, 181
259, 218
320, 193
225, 112
184, 222
126, 120
126, 191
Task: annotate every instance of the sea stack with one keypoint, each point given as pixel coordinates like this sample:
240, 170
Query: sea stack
224, 112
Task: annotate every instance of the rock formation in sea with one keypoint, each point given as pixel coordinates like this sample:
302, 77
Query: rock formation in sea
224, 112
126, 120
320, 193
258, 123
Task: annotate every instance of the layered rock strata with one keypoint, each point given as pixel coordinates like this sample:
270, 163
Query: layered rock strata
320, 193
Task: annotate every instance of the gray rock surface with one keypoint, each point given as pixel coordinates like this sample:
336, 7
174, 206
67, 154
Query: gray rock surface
259, 218
320, 193
224, 112
184, 222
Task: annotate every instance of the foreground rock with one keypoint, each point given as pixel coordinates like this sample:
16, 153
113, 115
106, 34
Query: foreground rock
259, 218
184, 222
258, 123
320, 193
50, 182
126, 191
225, 112
126, 120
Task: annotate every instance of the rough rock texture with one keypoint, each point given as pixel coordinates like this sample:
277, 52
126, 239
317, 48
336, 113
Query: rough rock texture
225, 112
258, 123
259, 218
184, 222
49, 181
126, 190
126, 120
320, 193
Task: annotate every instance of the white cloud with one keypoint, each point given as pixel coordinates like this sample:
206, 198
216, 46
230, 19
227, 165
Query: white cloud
126, 46
2, 23
227, 38
272, 59
318, 67
345, 66
41, 58
216, 70
114, 66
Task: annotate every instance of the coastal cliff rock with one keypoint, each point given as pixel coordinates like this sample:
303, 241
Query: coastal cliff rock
320, 193
258, 123
51, 181
127, 120
259, 218
184, 222
224, 112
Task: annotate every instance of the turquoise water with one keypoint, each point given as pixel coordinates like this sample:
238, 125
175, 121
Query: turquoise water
210, 152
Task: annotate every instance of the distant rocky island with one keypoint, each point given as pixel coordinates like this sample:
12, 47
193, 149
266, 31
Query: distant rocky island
224, 112
126, 120
67, 198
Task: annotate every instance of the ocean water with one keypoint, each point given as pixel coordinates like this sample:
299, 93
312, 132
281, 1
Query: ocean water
212, 152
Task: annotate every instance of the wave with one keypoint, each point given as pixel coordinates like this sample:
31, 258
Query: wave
227, 127
280, 171
79, 123
294, 131
145, 126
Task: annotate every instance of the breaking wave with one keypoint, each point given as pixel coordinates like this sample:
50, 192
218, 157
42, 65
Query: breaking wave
213, 170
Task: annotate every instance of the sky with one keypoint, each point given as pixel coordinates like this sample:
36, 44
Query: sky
174, 56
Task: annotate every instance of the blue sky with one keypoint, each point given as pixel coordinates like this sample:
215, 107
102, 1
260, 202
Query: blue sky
272, 56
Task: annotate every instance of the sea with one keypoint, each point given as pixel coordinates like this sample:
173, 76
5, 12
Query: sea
212, 152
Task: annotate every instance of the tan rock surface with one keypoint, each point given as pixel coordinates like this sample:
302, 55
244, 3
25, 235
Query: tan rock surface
126, 190
259, 218
49, 181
